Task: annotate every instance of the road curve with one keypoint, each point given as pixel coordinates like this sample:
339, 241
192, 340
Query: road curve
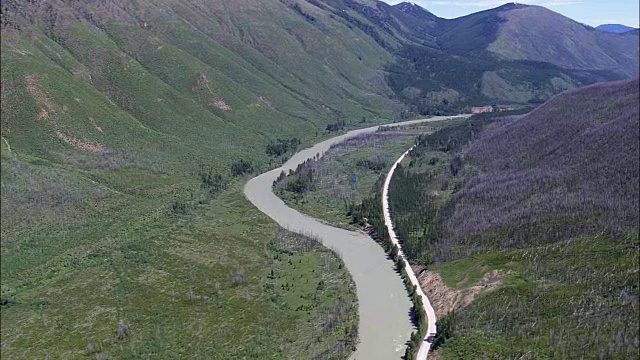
423, 351
431, 315
384, 305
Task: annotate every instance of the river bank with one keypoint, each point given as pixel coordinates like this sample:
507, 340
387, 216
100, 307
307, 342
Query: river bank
384, 305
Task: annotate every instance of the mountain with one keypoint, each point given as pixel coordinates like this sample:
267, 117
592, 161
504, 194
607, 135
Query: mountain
542, 208
533, 33
514, 53
615, 28
401, 23
234, 69
537, 34
414, 10
580, 146
307, 72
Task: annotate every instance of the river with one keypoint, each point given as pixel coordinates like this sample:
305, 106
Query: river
383, 302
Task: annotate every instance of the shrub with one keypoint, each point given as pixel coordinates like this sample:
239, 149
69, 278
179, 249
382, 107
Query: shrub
122, 330
241, 167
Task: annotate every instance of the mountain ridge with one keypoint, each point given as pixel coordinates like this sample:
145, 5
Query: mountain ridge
502, 58
615, 28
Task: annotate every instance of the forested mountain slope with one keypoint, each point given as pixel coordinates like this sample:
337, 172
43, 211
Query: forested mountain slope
568, 168
534, 33
547, 203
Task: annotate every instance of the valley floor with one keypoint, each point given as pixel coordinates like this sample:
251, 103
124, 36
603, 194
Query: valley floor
132, 263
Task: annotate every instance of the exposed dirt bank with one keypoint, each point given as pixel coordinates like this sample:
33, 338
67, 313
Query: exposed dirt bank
445, 299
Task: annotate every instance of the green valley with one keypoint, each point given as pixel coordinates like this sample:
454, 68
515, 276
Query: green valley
130, 128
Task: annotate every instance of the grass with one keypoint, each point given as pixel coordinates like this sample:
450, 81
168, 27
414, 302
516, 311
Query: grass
72, 275
313, 287
543, 310
463, 273
125, 239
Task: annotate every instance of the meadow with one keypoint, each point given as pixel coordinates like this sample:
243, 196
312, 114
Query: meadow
176, 270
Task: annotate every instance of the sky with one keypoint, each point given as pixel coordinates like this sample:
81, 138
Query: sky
590, 12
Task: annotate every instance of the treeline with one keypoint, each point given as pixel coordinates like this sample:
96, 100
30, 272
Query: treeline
420, 73
369, 214
213, 181
292, 243
414, 215
453, 138
418, 315
376, 164
427, 69
363, 26
418, 214
282, 147
241, 167
337, 126
298, 181
308, 17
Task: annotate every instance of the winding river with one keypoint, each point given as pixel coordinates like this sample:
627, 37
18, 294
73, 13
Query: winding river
383, 302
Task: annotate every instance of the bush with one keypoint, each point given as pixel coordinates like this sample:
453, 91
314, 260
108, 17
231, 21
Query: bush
280, 147
179, 207
122, 330
241, 167
212, 180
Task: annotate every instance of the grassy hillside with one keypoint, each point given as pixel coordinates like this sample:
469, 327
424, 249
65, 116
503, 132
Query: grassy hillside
550, 201
212, 278
127, 129
185, 76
